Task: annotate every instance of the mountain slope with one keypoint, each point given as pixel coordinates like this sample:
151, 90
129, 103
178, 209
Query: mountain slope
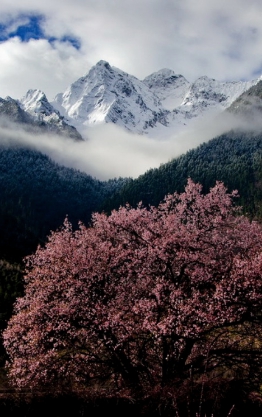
11, 111
35, 196
234, 158
164, 102
168, 86
161, 105
107, 94
35, 114
249, 104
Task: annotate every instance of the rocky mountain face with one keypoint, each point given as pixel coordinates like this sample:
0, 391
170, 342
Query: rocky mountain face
107, 94
249, 103
35, 114
168, 86
163, 102
11, 111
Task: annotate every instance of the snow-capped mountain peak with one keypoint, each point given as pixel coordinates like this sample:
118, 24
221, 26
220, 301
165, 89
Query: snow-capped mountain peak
35, 102
168, 86
107, 94
163, 102
44, 116
160, 105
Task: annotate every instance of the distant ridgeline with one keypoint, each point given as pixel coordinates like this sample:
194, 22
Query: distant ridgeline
234, 158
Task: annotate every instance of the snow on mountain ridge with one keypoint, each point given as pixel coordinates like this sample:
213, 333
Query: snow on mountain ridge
163, 103
208, 90
108, 94
36, 105
168, 86
35, 102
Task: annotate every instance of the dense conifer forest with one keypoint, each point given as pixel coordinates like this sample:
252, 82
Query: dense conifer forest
36, 194
234, 158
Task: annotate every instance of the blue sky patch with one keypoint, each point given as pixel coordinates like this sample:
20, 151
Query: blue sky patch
31, 28
74, 41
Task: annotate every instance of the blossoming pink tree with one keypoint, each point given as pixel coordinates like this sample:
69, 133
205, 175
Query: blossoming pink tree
143, 301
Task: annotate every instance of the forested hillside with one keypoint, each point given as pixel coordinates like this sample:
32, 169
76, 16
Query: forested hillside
35, 196
36, 193
234, 158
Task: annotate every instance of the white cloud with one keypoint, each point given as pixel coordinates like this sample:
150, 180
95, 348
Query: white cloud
110, 151
37, 64
218, 38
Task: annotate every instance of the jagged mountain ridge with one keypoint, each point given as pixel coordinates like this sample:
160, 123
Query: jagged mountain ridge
35, 114
170, 87
164, 101
161, 104
107, 94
